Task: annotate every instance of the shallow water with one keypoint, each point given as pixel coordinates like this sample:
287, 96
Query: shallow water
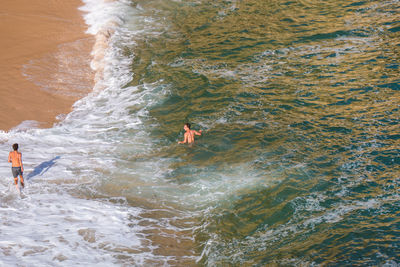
298, 164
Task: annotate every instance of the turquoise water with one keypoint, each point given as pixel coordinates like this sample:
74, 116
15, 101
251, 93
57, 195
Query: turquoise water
299, 101
298, 164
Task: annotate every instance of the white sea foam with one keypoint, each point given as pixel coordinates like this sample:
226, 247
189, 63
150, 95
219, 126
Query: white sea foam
104, 20
49, 226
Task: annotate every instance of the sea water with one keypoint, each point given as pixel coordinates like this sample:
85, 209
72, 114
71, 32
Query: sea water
298, 164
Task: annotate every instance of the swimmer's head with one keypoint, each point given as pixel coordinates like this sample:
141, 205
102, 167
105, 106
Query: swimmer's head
15, 146
187, 126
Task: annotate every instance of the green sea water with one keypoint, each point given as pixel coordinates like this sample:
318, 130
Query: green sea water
299, 104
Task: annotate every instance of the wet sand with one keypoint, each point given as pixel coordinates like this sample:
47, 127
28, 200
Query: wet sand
43, 46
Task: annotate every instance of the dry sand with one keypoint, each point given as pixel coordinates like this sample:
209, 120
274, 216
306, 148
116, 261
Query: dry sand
41, 46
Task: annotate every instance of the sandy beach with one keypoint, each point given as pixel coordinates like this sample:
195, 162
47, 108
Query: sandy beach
45, 57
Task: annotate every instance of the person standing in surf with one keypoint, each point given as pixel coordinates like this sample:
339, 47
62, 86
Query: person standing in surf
189, 134
17, 168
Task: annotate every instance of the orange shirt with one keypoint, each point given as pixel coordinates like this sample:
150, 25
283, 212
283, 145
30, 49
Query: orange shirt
15, 158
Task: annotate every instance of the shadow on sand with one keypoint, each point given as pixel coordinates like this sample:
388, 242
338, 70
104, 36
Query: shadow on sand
42, 168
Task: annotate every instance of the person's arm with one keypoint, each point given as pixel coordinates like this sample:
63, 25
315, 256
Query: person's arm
184, 140
198, 132
9, 157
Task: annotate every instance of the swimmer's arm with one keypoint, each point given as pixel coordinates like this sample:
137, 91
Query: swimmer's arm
185, 140
9, 157
198, 132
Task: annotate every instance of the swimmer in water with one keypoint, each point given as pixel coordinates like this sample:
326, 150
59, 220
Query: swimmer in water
15, 158
189, 135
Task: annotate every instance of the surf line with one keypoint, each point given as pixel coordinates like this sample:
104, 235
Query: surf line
102, 30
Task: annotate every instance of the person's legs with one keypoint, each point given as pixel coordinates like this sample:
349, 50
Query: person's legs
22, 181
16, 171
16, 183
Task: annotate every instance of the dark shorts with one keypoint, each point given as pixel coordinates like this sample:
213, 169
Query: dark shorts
16, 171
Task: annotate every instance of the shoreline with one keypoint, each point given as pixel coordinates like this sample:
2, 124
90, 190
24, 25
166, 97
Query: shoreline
45, 55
